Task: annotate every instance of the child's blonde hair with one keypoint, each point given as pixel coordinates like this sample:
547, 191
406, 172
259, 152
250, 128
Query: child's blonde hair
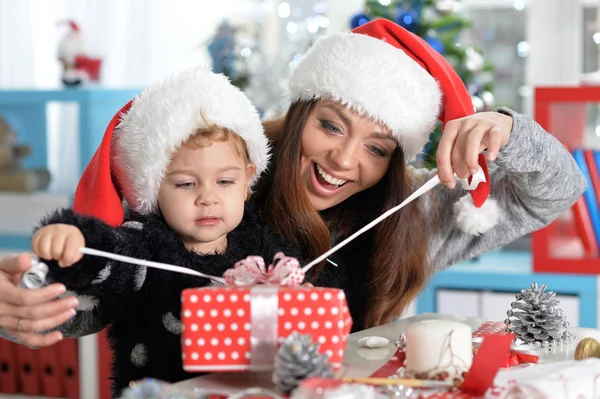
204, 137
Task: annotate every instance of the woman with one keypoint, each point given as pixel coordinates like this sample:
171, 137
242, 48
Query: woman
363, 106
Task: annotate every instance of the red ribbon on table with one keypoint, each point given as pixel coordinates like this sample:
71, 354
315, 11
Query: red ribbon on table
487, 361
490, 357
391, 366
515, 358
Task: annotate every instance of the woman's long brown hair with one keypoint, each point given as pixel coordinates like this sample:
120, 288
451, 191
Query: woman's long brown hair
398, 257
287, 207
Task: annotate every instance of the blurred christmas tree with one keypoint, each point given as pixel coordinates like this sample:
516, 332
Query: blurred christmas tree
259, 51
223, 50
438, 23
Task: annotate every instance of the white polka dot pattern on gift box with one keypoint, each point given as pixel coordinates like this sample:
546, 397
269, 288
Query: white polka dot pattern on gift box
217, 323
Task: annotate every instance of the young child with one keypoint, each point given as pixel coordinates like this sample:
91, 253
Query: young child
184, 156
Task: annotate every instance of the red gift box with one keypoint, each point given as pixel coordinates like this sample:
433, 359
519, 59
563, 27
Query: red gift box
238, 328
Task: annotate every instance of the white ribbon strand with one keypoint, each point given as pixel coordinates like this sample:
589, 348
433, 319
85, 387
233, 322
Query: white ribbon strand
422, 190
434, 181
148, 263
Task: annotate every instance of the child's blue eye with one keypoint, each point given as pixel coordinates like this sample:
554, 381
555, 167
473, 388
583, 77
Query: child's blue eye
225, 182
184, 185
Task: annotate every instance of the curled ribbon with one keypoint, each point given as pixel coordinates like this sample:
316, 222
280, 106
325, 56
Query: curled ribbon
471, 182
284, 271
515, 358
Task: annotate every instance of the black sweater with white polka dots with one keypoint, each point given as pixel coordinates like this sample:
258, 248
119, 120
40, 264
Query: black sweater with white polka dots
143, 305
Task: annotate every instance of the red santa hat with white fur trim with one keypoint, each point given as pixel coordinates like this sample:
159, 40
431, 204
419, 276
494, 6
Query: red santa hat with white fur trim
142, 137
387, 73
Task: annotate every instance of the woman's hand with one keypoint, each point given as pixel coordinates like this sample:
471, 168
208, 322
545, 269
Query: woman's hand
465, 138
59, 242
26, 312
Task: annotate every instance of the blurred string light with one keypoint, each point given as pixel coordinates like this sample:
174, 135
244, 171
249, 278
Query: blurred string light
596, 37
523, 49
246, 52
313, 25
301, 24
266, 69
525, 91
408, 19
519, 5
385, 2
292, 27
284, 10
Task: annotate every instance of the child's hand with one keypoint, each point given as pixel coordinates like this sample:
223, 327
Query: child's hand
59, 242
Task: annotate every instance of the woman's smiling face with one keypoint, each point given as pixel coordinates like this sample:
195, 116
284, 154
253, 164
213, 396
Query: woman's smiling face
342, 153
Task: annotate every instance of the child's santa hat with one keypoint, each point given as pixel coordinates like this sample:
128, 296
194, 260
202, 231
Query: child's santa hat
142, 137
407, 90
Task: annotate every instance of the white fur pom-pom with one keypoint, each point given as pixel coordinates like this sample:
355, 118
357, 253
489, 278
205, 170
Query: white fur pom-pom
475, 221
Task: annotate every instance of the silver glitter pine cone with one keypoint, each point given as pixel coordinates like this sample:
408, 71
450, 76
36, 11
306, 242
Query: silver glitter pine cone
536, 319
298, 358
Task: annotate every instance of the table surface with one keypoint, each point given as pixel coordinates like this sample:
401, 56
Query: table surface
362, 362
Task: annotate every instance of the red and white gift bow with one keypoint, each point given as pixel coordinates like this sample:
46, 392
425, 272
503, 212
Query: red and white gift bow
284, 270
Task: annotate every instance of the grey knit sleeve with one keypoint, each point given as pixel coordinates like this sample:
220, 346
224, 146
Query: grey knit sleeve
534, 179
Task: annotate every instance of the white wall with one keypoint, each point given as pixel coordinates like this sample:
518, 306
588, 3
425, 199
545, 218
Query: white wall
555, 37
140, 40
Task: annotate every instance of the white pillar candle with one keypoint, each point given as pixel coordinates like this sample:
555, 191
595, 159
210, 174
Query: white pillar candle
438, 346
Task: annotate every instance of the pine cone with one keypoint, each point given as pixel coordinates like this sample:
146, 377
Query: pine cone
536, 318
298, 358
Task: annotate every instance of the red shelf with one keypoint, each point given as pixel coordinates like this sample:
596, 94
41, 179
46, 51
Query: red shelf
561, 247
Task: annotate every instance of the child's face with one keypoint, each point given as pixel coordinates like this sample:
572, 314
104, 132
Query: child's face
202, 195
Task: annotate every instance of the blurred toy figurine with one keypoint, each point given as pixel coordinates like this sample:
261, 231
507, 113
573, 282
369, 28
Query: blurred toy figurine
78, 66
13, 177
222, 50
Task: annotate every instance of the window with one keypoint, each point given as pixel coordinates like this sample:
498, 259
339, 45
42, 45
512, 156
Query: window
499, 33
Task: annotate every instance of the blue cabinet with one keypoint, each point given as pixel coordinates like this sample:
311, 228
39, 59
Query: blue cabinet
26, 112
488, 285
